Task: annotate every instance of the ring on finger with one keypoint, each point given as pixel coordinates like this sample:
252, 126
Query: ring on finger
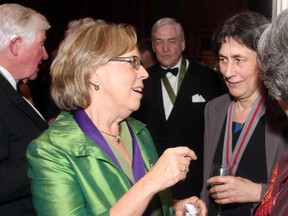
185, 169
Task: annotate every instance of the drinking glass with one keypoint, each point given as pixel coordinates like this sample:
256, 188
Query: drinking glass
219, 170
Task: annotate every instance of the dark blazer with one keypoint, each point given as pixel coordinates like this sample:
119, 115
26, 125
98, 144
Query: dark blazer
19, 125
276, 135
185, 125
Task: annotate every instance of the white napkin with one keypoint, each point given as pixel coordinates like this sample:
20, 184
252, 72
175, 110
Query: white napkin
191, 210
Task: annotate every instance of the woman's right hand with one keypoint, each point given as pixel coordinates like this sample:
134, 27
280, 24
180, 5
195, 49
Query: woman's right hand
168, 170
171, 167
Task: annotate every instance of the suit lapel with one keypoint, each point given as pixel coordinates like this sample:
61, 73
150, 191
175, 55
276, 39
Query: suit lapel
218, 117
21, 103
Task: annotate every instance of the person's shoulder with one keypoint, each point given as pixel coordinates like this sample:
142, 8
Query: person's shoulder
274, 109
141, 131
63, 133
201, 69
154, 68
219, 101
154, 76
209, 78
135, 124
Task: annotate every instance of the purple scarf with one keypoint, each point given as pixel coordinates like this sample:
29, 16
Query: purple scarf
93, 133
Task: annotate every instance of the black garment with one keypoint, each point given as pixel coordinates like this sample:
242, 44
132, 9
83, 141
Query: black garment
185, 125
19, 125
252, 166
40, 90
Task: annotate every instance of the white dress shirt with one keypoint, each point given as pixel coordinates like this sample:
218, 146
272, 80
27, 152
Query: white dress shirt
167, 103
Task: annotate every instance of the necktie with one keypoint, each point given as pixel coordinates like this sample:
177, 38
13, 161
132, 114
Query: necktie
174, 71
167, 84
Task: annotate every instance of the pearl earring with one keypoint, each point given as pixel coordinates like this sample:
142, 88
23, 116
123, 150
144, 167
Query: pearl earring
97, 86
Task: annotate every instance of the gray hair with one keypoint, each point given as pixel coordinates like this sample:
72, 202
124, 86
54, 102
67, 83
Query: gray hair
167, 21
273, 56
17, 20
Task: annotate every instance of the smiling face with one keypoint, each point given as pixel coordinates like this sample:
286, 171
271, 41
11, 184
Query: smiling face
121, 85
238, 65
168, 45
29, 56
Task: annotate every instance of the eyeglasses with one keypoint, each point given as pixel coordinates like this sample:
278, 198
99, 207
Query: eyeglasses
134, 60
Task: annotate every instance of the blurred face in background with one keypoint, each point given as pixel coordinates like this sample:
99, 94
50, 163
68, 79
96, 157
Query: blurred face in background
168, 45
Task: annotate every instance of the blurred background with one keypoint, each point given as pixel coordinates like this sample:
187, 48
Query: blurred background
198, 17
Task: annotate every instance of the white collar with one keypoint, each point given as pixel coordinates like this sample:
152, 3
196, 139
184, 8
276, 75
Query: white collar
9, 77
175, 66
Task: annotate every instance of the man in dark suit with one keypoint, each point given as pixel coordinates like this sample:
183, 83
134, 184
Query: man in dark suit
175, 95
22, 36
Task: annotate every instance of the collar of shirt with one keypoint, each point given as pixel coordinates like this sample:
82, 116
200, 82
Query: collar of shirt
168, 106
9, 77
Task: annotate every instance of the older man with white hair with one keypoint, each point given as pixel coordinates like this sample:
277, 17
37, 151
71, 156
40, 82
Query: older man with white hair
22, 38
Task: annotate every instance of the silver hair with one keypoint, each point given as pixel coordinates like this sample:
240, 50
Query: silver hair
167, 21
273, 56
17, 20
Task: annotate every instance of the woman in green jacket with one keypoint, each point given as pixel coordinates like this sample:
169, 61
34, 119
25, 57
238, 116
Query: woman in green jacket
94, 160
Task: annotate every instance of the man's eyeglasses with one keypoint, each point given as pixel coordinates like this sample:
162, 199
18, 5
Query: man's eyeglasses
134, 60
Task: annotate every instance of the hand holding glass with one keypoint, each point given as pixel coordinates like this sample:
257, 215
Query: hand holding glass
219, 170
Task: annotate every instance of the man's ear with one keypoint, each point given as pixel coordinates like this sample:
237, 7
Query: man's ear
14, 46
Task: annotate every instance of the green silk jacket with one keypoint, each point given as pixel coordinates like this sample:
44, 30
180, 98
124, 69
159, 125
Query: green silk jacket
71, 175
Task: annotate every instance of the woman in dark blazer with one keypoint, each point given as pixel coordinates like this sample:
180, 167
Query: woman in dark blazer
244, 129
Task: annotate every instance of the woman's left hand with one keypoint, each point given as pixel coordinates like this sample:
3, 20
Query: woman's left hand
180, 209
232, 189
